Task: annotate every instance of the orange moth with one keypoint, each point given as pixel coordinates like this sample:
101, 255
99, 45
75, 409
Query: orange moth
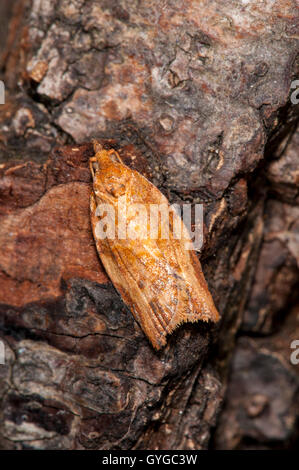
145, 255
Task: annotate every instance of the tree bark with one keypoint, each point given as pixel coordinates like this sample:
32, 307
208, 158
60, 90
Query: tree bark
199, 99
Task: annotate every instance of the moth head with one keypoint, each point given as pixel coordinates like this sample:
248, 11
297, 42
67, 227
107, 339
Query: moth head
110, 175
103, 158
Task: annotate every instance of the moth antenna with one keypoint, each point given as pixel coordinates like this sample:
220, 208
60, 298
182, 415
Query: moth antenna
114, 152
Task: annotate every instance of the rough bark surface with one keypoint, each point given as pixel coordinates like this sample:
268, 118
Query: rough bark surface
198, 100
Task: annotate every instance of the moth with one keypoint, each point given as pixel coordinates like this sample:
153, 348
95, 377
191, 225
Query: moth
158, 278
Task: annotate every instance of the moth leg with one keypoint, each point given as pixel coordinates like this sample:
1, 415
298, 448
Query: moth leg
91, 161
